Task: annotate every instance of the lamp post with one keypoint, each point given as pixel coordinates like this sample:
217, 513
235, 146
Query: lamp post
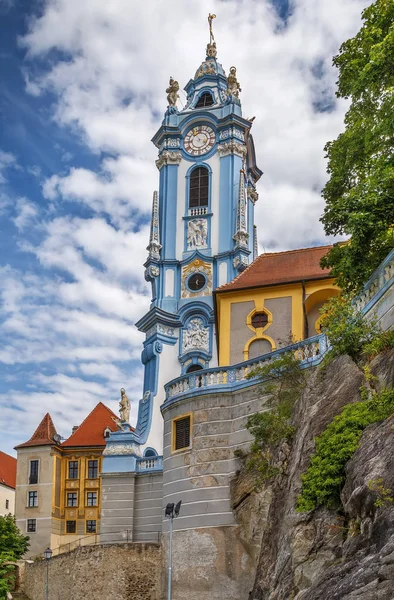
47, 554
172, 510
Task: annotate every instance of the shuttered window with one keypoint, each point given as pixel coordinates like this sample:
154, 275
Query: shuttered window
182, 433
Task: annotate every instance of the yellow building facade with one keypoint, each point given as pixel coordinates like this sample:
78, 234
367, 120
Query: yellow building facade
274, 302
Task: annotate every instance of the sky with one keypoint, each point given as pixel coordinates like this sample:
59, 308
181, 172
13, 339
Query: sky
82, 92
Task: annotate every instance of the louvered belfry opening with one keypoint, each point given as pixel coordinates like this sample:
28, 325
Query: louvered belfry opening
204, 100
182, 433
198, 195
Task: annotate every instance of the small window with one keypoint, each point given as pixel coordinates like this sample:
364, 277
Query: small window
73, 469
182, 433
107, 432
199, 184
92, 469
193, 368
7, 504
31, 525
259, 319
205, 99
92, 499
90, 526
72, 499
71, 526
33, 475
32, 499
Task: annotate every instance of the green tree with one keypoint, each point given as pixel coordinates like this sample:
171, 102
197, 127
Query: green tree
360, 192
13, 544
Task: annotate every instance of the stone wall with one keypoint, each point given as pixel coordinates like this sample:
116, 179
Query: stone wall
118, 572
211, 560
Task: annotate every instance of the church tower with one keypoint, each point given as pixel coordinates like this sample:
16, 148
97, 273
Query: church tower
202, 229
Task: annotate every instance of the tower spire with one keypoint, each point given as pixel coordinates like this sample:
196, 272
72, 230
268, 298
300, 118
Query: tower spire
154, 246
241, 232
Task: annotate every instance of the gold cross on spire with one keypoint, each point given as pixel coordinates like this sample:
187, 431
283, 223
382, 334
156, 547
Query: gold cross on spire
210, 19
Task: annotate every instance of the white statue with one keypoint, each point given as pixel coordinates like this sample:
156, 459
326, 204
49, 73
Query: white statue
124, 406
197, 234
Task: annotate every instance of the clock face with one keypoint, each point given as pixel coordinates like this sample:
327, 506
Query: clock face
196, 282
199, 140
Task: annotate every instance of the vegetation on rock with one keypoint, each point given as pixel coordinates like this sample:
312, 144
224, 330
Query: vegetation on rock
324, 479
359, 193
282, 380
13, 544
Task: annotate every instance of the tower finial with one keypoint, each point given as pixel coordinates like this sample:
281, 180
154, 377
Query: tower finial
241, 233
211, 36
154, 246
211, 46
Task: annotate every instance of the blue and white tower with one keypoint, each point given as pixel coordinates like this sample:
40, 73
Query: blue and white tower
202, 229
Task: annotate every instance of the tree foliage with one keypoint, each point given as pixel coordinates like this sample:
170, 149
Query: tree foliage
360, 192
13, 545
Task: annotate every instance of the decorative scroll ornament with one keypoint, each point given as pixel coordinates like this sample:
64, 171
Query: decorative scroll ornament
232, 132
172, 92
241, 234
197, 234
233, 87
253, 194
240, 263
195, 336
168, 157
154, 246
232, 147
208, 67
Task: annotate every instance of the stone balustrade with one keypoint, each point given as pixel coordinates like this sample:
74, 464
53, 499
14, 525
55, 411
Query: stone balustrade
149, 463
309, 352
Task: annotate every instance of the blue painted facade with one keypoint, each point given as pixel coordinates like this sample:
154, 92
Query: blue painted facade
209, 243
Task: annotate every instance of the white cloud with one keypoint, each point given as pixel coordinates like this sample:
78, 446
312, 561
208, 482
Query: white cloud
73, 315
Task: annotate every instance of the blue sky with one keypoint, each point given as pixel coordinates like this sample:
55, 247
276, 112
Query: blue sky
82, 92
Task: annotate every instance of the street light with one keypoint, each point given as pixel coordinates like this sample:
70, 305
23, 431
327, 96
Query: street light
171, 511
47, 554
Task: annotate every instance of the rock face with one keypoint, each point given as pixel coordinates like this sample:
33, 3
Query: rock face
326, 554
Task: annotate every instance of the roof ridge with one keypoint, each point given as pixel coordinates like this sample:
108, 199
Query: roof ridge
99, 404
43, 434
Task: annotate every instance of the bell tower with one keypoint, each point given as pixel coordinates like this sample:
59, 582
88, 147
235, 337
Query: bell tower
202, 228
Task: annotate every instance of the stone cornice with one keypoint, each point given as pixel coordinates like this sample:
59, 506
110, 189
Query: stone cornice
168, 157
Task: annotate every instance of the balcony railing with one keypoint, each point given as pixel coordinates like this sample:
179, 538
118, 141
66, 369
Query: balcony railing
309, 352
149, 463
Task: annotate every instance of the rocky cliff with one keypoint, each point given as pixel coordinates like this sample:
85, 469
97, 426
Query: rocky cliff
346, 553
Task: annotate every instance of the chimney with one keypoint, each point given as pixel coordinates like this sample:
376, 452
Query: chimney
75, 427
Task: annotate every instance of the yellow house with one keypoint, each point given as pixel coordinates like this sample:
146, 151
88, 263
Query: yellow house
58, 488
274, 301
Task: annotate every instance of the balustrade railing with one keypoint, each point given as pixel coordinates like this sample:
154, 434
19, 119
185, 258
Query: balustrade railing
308, 352
150, 463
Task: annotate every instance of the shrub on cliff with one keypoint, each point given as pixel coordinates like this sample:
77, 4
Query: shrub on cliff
325, 477
13, 544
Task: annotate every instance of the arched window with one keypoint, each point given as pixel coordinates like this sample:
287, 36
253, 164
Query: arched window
205, 99
198, 192
193, 368
149, 453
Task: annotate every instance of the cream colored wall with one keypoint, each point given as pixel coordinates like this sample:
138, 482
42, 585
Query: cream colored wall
7, 493
41, 539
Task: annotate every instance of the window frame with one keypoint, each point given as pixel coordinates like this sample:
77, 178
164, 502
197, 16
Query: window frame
32, 522
75, 526
68, 505
91, 521
198, 168
95, 469
30, 476
7, 504
91, 499
69, 471
32, 494
174, 449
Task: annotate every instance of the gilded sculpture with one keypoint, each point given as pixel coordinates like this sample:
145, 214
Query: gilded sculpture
172, 92
233, 87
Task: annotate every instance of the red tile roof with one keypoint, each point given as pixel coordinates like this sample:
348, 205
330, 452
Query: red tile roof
281, 267
7, 470
43, 435
91, 430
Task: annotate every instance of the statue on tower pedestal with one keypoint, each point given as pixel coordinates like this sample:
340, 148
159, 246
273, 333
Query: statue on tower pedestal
233, 87
172, 93
124, 407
